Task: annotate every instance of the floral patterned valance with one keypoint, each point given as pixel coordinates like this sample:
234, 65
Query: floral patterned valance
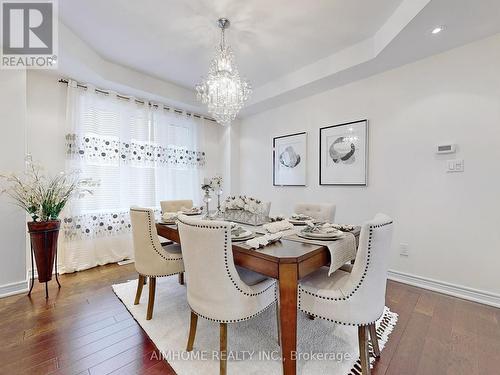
112, 150
96, 225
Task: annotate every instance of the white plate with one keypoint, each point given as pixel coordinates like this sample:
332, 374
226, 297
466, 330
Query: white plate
246, 233
320, 236
167, 222
298, 222
242, 238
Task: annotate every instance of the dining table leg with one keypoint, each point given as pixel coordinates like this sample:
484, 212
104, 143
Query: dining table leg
288, 281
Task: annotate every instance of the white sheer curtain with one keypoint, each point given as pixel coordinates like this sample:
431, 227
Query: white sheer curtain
140, 154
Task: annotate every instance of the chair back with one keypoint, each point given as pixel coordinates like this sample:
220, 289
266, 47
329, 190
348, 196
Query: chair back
322, 212
149, 255
214, 288
368, 279
175, 205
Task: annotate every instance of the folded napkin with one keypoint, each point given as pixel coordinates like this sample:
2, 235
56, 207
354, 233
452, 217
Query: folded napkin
300, 217
237, 231
169, 216
320, 228
344, 227
190, 210
263, 241
278, 226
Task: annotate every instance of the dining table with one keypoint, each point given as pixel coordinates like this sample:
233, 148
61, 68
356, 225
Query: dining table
286, 261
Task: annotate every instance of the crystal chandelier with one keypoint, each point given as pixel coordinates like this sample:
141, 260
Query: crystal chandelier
223, 90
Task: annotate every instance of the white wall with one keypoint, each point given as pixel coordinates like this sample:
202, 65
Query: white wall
12, 146
450, 221
46, 100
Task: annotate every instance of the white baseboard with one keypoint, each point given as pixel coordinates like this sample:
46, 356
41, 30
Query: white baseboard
480, 296
14, 288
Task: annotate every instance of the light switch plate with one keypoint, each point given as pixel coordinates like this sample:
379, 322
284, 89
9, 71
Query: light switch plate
455, 165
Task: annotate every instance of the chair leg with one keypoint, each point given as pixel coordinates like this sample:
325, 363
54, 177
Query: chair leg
140, 284
181, 278
151, 301
223, 349
192, 331
374, 340
363, 350
278, 322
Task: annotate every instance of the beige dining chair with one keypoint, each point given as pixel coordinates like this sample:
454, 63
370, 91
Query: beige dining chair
175, 205
217, 290
152, 260
321, 212
356, 298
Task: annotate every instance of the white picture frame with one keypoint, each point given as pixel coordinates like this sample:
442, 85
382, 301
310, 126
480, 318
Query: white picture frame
290, 160
343, 154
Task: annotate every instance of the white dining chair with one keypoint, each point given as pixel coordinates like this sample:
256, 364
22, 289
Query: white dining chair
175, 205
356, 298
217, 290
321, 212
152, 260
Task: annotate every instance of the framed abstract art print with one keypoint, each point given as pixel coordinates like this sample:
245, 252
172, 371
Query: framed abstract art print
290, 160
343, 154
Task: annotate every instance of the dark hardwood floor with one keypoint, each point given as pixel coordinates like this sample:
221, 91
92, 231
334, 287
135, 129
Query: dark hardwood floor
84, 329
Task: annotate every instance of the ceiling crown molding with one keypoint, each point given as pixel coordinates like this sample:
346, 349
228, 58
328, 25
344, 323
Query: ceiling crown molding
336, 63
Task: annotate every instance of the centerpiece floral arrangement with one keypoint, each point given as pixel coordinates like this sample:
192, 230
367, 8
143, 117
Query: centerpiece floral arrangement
245, 203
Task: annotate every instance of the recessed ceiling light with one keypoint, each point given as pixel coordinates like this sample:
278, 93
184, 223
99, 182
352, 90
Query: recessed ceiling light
437, 29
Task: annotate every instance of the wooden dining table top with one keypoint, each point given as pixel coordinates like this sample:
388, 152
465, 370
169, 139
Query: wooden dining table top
286, 261
282, 251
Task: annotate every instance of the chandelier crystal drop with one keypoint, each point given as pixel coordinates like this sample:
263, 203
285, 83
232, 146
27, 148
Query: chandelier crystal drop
223, 90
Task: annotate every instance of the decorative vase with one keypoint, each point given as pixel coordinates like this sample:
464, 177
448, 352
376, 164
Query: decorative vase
43, 237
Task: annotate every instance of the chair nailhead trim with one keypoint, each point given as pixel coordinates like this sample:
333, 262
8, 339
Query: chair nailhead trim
225, 260
236, 320
301, 290
339, 322
150, 232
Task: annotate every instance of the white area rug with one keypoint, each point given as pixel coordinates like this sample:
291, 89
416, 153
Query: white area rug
323, 347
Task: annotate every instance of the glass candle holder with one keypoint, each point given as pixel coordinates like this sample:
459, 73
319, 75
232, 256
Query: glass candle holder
206, 199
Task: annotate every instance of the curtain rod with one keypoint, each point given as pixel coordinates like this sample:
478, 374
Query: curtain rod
140, 101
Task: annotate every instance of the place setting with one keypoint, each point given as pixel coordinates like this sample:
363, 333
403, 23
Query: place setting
300, 219
170, 218
324, 231
239, 233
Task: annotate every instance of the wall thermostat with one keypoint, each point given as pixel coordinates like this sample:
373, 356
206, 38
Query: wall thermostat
446, 149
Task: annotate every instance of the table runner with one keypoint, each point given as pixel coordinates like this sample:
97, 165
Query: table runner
342, 250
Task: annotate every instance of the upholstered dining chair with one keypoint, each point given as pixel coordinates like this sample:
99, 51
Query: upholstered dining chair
356, 298
322, 212
175, 205
217, 290
152, 260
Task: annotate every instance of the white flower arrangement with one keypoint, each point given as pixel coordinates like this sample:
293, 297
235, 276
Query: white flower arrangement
216, 183
245, 203
44, 197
